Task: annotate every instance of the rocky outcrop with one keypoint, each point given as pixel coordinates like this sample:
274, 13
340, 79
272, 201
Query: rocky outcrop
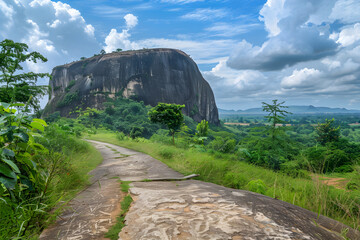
149, 75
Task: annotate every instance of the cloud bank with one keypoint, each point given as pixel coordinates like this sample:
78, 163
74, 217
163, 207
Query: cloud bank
312, 52
54, 29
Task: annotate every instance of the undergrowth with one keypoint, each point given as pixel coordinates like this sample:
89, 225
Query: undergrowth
65, 166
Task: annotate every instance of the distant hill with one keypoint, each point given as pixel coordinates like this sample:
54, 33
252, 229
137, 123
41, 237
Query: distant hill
293, 109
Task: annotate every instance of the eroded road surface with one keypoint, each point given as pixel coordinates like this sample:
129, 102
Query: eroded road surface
186, 209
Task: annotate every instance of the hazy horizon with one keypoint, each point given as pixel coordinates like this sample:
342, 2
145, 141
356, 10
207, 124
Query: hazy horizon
260, 106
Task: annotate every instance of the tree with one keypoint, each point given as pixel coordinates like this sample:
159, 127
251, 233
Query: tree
276, 114
21, 86
102, 52
118, 49
327, 132
169, 115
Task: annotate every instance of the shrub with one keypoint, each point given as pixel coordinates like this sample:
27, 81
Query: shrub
234, 180
352, 185
120, 136
336, 158
257, 186
293, 169
222, 145
136, 132
71, 84
53, 117
68, 99
316, 157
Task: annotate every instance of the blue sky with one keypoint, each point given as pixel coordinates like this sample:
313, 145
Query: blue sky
299, 51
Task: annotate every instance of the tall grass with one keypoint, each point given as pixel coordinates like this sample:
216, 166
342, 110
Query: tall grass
65, 167
222, 169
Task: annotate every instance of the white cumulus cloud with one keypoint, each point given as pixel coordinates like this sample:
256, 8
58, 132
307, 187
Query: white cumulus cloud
51, 28
131, 20
349, 35
301, 78
115, 39
227, 82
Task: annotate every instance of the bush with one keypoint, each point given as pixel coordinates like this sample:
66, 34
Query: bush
336, 158
257, 186
234, 180
136, 132
121, 136
222, 145
56, 138
293, 169
352, 185
68, 99
53, 117
316, 157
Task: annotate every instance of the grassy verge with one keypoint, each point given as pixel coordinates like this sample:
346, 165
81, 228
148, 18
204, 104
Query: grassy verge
28, 218
70, 181
114, 231
222, 169
68, 184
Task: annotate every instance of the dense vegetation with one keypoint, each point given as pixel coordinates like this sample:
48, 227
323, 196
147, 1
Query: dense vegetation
294, 150
41, 166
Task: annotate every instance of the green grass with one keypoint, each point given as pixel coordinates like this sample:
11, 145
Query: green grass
224, 169
125, 185
114, 231
77, 178
70, 178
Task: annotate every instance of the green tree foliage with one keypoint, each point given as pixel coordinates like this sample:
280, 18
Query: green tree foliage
270, 146
18, 171
169, 115
327, 132
202, 128
21, 179
276, 114
18, 86
120, 114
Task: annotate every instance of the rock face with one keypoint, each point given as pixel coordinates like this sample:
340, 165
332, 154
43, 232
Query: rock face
149, 75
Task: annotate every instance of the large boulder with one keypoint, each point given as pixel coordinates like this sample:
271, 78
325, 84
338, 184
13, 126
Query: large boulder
149, 75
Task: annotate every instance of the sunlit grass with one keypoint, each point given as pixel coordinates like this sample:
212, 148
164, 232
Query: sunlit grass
222, 169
